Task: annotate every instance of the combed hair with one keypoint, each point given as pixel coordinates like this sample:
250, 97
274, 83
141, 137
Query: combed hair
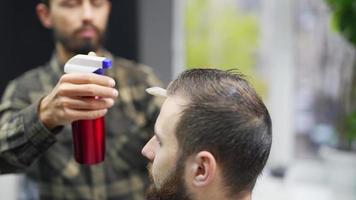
226, 117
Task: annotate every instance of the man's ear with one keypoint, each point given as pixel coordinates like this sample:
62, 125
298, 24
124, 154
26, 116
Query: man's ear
203, 169
43, 14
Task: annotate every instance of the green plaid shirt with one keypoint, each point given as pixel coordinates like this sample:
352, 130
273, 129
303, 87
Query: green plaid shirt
46, 157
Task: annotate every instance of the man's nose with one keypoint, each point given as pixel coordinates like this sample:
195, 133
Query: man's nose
148, 152
87, 11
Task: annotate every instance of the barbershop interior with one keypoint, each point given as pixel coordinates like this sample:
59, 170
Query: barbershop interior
299, 55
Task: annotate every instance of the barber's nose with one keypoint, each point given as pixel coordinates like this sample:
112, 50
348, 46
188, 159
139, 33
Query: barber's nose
148, 151
87, 12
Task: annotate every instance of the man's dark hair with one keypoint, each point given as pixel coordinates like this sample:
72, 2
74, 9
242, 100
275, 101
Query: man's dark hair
46, 2
226, 117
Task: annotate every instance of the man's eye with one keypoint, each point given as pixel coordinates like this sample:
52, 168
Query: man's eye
70, 3
98, 3
158, 141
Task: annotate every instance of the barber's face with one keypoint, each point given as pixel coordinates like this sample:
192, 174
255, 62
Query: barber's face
79, 25
166, 171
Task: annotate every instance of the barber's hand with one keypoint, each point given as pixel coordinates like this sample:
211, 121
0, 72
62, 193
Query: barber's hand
69, 100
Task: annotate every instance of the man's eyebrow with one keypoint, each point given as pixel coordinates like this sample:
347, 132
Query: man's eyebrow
156, 134
158, 138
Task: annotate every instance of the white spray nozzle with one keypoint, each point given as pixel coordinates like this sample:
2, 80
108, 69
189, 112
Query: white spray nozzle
87, 64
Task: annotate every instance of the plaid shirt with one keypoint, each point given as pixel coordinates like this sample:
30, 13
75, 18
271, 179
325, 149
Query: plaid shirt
46, 157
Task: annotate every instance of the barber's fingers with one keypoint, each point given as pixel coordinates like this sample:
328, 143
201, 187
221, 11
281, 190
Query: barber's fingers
92, 53
86, 90
74, 115
87, 78
88, 103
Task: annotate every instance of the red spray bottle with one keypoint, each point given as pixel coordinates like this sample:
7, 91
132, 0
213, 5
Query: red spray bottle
88, 135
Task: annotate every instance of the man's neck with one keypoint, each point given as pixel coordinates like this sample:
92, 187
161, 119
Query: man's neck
247, 197
63, 55
243, 196
221, 196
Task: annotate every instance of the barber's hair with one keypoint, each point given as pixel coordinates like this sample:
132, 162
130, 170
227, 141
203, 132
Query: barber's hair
46, 2
226, 117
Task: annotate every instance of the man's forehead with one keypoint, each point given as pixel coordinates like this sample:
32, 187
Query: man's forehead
171, 108
170, 114
50, 1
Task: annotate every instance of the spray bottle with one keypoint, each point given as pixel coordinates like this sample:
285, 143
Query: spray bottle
88, 135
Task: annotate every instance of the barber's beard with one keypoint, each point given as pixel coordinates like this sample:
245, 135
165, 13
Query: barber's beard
173, 188
76, 45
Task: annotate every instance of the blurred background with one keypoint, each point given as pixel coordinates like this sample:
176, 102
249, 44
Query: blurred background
298, 54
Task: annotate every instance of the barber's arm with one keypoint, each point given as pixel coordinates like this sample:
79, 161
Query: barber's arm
22, 136
28, 129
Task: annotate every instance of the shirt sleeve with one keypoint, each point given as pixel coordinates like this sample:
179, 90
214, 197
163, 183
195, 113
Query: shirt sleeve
23, 137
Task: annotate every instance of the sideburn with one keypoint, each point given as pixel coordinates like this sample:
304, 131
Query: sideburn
173, 188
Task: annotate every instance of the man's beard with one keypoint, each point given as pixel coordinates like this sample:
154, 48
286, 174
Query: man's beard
76, 45
173, 188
